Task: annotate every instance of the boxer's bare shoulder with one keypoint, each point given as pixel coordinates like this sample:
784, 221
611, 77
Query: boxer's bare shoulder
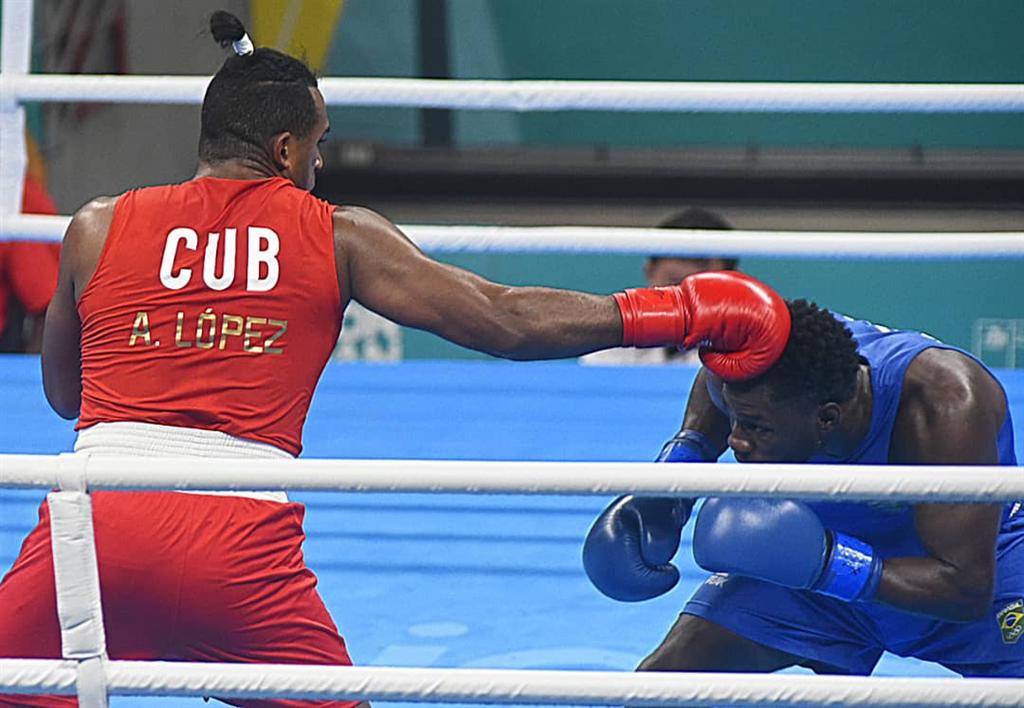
950, 406
84, 239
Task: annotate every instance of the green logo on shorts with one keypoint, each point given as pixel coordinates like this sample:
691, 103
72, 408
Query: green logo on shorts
1011, 621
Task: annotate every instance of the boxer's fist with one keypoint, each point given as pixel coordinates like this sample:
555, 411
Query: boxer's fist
628, 551
784, 542
740, 324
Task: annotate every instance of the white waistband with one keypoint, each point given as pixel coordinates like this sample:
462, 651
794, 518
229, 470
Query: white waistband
151, 440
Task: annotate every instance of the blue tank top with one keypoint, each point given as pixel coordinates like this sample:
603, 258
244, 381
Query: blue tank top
889, 526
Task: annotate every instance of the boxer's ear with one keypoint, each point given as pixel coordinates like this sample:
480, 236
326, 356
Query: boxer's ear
281, 151
829, 416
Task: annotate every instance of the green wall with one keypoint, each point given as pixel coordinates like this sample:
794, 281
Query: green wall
947, 41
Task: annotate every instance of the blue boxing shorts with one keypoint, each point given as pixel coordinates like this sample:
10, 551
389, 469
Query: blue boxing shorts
852, 636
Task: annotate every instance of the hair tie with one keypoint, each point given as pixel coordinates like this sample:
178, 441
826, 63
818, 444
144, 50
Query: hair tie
243, 46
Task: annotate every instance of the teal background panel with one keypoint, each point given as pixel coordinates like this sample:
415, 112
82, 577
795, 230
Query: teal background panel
930, 41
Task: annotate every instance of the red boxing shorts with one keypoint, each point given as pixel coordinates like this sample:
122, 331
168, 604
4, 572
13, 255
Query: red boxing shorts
189, 577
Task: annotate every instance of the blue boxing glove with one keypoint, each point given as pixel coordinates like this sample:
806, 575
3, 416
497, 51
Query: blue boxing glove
628, 549
785, 543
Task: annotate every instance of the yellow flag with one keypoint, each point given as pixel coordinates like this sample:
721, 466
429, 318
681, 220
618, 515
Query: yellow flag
36, 165
302, 28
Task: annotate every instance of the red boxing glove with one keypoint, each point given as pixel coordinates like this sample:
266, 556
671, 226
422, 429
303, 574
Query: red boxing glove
741, 324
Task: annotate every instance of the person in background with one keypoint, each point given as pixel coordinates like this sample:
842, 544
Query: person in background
28, 278
662, 270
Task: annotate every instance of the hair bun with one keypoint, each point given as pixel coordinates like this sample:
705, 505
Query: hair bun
226, 28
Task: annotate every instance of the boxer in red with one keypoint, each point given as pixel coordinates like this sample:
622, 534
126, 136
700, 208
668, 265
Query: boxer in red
196, 318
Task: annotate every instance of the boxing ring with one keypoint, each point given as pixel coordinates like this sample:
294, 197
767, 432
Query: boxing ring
447, 547
490, 582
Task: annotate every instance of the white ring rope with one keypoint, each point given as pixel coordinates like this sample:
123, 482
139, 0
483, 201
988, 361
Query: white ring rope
937, 483
652, 96
157, 678
805, 481
623, 240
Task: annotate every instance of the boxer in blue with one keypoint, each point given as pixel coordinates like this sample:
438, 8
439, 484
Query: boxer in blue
830, 586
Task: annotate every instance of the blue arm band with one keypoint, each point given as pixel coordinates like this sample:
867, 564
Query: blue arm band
687, 446
852, 573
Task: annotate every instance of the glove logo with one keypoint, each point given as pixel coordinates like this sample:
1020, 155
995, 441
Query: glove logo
717, 580
1011, 621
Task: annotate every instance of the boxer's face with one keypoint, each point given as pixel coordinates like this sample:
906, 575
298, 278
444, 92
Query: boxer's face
770, 428
302, 160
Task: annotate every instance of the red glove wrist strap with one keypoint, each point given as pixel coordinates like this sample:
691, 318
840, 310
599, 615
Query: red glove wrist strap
652, 317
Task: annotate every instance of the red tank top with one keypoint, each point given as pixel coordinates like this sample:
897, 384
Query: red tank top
215, 305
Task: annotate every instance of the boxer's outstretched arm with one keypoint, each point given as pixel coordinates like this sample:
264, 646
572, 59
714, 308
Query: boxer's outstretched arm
383, 270
951, 413
742, 322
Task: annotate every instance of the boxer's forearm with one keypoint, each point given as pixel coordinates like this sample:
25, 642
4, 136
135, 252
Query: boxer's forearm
955, 580
544, 323
703, 416
932, 588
